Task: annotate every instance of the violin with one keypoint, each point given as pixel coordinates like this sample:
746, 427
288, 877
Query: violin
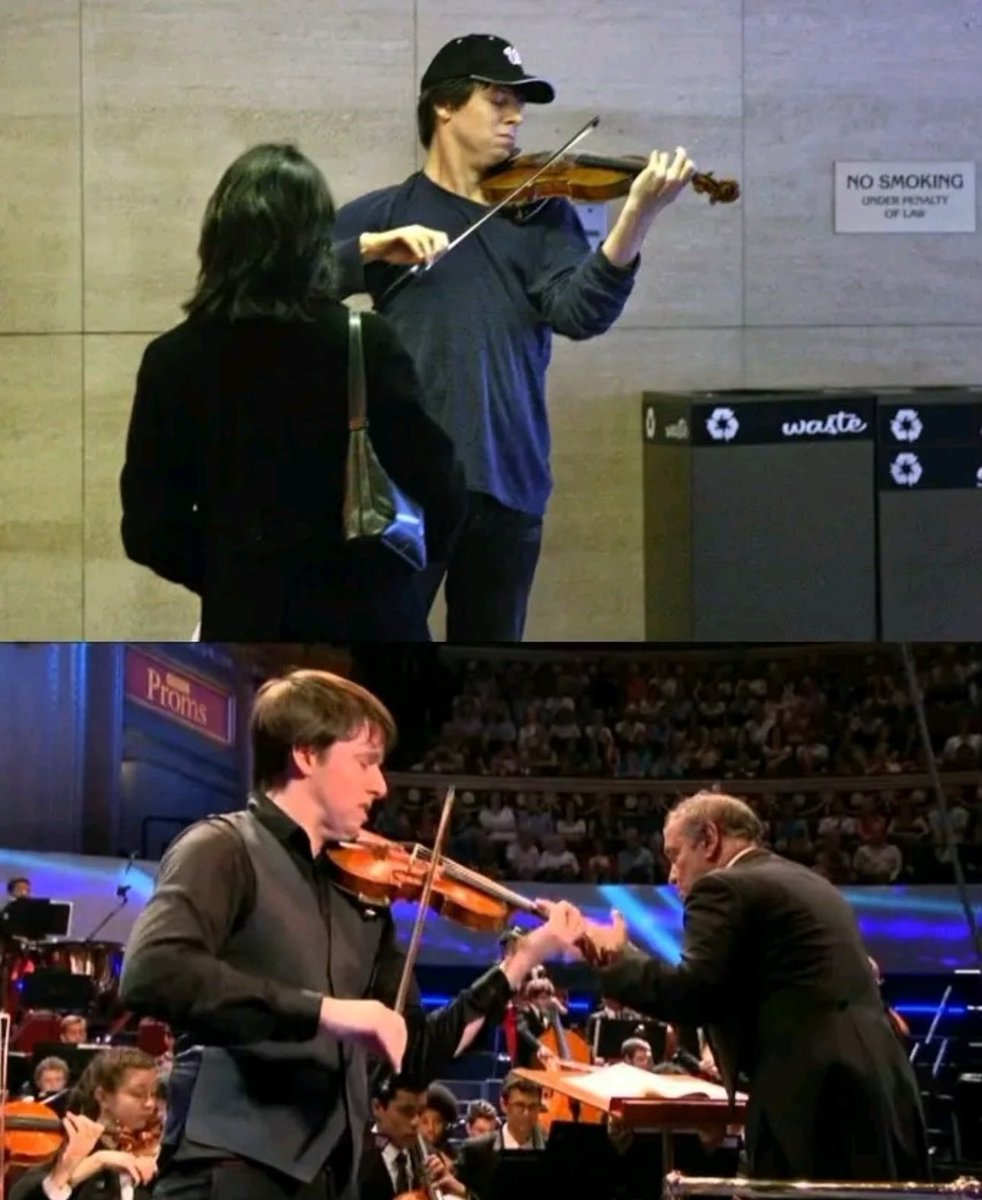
588, 177
32, 1132
378, 871
527, 178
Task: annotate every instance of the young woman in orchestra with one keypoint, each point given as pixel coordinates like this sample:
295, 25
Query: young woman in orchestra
112, 1135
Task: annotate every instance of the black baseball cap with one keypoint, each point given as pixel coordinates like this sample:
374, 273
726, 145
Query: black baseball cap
488, 59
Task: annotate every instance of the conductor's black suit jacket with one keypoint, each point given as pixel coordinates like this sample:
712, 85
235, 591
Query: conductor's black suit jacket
234, 476
773, 966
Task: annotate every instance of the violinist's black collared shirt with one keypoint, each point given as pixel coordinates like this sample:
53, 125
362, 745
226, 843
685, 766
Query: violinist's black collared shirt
206, 889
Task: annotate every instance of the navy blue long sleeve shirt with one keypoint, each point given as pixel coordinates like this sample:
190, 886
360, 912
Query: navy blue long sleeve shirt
479, 323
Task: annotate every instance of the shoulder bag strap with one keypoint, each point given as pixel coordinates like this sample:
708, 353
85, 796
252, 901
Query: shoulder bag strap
357, 416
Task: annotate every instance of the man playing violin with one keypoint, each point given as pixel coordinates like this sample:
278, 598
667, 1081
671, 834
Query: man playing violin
287, 980
479, 325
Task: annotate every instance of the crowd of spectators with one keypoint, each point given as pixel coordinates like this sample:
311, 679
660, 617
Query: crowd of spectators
813, 717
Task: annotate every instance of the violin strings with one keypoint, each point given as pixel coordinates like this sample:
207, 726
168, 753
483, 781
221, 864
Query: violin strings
466, 875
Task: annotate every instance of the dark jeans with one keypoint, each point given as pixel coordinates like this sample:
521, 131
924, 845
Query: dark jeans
230, 1180
489, 573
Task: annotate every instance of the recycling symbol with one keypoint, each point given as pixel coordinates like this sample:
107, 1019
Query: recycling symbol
906, 469
722, 425
906, 425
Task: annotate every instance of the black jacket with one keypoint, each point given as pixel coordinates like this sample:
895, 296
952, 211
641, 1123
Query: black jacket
104, 1186
530, 1025
233, 480
774, 967
374, 1180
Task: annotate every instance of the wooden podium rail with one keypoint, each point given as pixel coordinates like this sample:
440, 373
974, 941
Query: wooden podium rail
678, 1186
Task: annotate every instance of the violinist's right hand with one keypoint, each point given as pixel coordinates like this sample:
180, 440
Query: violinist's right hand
408, 246
368, 1023
140, 1169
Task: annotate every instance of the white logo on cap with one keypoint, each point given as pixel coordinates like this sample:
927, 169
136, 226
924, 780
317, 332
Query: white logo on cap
513, 56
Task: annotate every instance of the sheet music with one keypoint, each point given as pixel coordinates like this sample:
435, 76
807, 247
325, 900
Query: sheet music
624, 1082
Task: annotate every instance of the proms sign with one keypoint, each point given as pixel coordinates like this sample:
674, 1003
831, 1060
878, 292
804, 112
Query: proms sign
184, 698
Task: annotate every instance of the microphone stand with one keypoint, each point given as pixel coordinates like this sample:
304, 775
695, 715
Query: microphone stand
123, 895
122, 891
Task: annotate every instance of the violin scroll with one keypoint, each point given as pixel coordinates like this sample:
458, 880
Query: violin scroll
719, 191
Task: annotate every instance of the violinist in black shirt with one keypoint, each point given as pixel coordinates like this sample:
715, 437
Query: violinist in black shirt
251, 948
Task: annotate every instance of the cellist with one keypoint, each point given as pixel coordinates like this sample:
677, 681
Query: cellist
534, 1017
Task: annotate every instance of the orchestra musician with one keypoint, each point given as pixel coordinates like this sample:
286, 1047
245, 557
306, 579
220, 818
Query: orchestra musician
637, 1052
479, 327
50, 1078
437, 1119
480, 1118
534, 1016
18, 888
400, 1157
251, 947
112, 1134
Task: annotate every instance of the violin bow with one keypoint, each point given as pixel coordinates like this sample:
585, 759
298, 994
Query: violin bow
424, 900
419, 268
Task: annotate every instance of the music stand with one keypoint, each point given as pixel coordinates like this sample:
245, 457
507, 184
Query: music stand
77, 1056
60, 991
34, 919
18, 1072
519, 1173
610, 1033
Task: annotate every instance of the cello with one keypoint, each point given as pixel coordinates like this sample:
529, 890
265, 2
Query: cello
566, 1046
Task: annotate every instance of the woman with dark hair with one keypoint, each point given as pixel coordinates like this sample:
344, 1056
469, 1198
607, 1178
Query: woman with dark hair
234, 474
112, 1134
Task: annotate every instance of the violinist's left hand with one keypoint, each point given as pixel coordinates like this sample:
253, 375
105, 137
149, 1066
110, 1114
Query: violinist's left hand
661, 180
608, 940
564, 927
